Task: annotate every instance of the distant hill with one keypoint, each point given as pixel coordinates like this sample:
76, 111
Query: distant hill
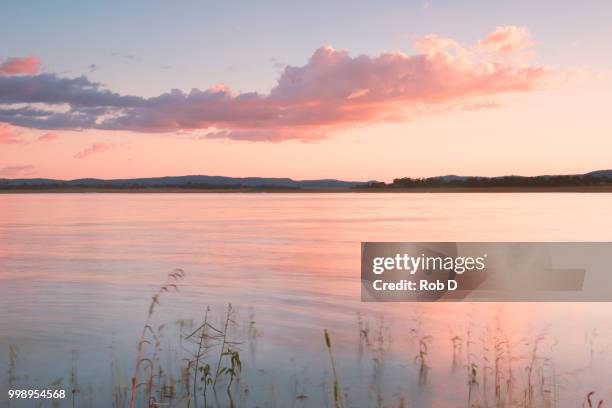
182, 181
594, 178
452, 177
221, 182
600, 173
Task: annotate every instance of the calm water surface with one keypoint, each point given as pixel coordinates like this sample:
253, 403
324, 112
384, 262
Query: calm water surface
77, 272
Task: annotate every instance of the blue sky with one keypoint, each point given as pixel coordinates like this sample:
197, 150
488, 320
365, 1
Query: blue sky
542, 109
239, 42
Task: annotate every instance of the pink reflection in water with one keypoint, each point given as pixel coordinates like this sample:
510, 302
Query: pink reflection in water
75, 268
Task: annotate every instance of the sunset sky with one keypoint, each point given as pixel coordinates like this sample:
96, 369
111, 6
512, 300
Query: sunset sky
351, 90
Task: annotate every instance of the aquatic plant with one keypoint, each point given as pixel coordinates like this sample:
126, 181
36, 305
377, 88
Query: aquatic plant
207, 369
337, 394
590, 402
175, 275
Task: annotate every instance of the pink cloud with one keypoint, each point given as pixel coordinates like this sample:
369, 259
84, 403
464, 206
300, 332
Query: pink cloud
95, 148
49, 136
433, 44
8, 135
15, 66
335, 90
332, 91
221, 134
507, 39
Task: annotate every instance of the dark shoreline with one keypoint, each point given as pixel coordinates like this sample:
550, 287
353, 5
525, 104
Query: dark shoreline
175, 190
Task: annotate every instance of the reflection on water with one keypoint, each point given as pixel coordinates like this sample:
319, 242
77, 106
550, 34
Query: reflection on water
77, 272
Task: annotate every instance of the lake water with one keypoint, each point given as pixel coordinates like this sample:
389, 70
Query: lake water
77, 272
